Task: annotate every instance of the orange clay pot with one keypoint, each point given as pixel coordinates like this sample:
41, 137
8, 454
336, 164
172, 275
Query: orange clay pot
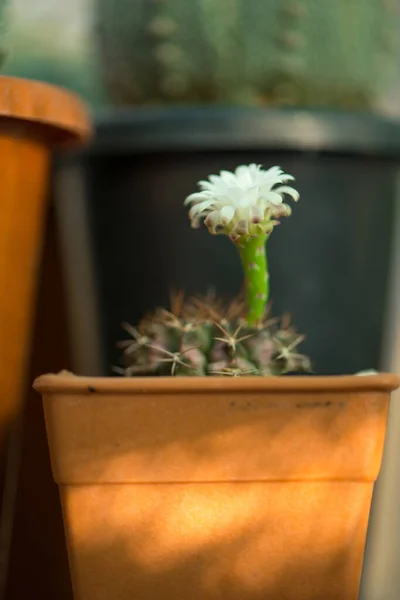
34, 119
216, 488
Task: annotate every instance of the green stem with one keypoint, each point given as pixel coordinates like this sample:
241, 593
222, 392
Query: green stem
254, 261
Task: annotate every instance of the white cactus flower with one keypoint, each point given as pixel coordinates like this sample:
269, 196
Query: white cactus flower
241, 203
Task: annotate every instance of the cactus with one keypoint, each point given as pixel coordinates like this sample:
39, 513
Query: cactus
4, 8
252, 52
199, 337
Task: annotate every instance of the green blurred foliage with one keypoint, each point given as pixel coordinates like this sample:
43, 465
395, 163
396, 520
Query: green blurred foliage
256, 52
69, 73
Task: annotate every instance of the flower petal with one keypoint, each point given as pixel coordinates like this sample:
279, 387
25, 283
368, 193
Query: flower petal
245, 202
253, 194
286, 189
227, 213
274, 198
263, 203
206, 185
212, 220
284, 210
241, 171
272, 173
257, 214
231, 196
198, 208
255, 169
195, 222
196, 197
243, 176
249, 198
228, 178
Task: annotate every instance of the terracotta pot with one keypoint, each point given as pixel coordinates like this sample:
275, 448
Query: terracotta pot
216, 488
34, 119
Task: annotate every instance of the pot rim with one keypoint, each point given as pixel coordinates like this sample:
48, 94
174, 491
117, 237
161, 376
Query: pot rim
62, 115
73, 384
215, 128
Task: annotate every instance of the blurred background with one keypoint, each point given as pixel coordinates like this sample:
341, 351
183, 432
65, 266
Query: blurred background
180, 89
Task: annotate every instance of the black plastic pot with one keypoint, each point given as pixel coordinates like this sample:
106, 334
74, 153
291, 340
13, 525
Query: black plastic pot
127, 240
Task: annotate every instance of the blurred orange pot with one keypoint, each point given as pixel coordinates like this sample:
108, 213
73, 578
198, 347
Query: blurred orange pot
35, 118
216, 488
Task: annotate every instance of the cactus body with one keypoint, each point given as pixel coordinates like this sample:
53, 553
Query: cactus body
199, 337
295, 52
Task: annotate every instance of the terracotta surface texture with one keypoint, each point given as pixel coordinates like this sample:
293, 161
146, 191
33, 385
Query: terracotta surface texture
216, 488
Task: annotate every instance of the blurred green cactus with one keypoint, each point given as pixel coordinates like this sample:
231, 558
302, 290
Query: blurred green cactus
252, 52
4, 6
